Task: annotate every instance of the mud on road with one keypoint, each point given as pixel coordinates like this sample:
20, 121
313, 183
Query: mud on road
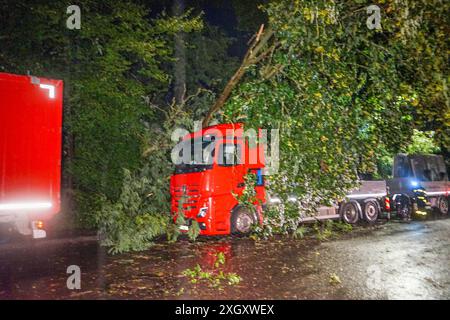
389, 261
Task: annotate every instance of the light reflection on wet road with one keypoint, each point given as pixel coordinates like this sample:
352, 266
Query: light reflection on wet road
394, 261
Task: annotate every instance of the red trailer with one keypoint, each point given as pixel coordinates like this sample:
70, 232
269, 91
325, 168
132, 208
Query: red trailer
30, 152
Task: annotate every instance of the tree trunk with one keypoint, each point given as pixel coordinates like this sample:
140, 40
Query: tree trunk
179, 87
258, 51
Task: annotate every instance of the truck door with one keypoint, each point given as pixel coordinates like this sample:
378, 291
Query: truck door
231, 161
228, 180
30, 144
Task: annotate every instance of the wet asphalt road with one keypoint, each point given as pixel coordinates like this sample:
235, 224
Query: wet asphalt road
390, 261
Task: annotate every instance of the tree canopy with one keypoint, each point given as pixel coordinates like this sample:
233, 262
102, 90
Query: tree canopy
344, 96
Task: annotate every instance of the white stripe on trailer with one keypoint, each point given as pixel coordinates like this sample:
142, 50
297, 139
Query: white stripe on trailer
25, 206
315, 218
436, 193
366, 195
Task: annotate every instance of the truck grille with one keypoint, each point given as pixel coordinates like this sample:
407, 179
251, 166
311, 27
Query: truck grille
191, 194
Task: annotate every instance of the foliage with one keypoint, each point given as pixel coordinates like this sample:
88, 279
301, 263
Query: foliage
153, 180
334, 279
173, 230
385, 161
248, 16
341, 226
422, 142
204, 50
422, 27
324, 231
214, 277
129, 223
194, 230
300, 232
248, 196
220, 259
334, 90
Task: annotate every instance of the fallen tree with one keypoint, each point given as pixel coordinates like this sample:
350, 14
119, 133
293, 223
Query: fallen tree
335, 89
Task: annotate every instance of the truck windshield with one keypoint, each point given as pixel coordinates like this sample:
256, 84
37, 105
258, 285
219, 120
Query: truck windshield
429, 168
195, 155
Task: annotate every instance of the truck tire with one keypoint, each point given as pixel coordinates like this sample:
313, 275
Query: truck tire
350, 212
443, 205
371, 211
242, 221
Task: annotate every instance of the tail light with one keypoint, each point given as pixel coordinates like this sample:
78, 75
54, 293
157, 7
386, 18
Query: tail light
387, 204
38, 225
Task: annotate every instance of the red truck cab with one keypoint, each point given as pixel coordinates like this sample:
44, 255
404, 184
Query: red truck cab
30, 152
207, 183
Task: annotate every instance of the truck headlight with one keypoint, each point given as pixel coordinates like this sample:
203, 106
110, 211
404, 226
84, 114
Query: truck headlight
202, 212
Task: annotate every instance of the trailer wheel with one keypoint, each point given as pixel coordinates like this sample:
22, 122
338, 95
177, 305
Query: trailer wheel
371, 211
242, 221
350, 212
443, 205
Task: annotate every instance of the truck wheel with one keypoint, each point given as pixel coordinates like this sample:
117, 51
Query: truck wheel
350, 211
242, 221
371, 211
443, 205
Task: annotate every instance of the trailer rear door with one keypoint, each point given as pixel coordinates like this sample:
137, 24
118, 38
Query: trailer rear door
30, 144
